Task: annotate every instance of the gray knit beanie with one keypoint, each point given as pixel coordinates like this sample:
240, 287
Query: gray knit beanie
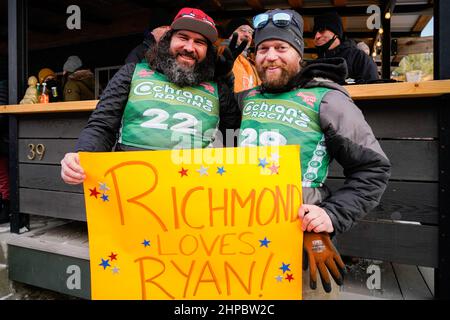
72, 64
292, 34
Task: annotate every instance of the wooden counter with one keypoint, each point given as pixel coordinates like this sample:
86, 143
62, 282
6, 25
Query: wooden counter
357, 92
399, 90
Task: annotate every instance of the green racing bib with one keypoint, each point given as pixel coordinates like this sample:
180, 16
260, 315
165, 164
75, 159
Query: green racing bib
285, 119
160, 115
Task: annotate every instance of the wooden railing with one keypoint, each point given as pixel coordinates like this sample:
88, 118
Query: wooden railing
357, 92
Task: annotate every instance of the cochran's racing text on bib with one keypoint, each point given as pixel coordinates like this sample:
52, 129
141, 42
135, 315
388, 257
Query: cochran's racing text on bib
288, 118
161, 115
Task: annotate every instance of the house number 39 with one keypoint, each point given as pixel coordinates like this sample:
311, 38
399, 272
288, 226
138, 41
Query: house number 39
37, 150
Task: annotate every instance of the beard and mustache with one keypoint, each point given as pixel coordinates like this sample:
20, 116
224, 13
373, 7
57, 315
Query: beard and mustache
159, 58
276, 82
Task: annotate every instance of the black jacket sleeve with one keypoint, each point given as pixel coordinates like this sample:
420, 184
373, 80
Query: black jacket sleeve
230, 115
101, 131
364, 67
138, 53
351, 142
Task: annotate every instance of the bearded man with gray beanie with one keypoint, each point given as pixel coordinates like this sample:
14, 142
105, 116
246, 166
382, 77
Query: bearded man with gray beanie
313, 111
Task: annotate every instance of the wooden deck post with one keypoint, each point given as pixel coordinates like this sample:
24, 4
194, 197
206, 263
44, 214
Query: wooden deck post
442, 71
17, 75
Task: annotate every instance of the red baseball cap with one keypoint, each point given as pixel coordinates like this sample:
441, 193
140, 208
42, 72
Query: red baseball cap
197, 21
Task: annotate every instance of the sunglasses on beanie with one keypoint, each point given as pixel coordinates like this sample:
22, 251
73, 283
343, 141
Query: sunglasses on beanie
280, 19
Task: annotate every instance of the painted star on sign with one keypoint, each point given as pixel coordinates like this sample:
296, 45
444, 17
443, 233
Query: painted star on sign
94, 193
183, 172
104, 197
115, 270
105, 264
146, 243
103, 187
279, 278
221, 170
290, 277
203, 171
285, 267
265, 242
275, 157
113, 256
262, 162
274, 169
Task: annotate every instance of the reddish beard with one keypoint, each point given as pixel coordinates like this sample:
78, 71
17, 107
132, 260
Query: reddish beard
272, 81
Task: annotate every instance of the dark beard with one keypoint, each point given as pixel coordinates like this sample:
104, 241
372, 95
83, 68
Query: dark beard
160, 59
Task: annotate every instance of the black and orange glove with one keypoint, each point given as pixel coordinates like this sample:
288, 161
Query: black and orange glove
320, 253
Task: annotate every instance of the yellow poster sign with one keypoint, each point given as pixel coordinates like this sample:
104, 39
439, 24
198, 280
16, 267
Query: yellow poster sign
194, 224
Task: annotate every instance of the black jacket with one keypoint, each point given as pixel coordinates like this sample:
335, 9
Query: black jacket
361, 67
138, 53
349, 140
102, 129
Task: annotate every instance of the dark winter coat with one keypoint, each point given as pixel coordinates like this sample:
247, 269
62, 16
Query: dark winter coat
138, 54
80, 86
349, 140
361, 67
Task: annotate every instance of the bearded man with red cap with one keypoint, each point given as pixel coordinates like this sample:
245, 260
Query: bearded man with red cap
177, 98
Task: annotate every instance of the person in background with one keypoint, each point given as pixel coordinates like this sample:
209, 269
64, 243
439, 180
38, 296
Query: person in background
244, 71
48, 76
331, 42
79, 83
